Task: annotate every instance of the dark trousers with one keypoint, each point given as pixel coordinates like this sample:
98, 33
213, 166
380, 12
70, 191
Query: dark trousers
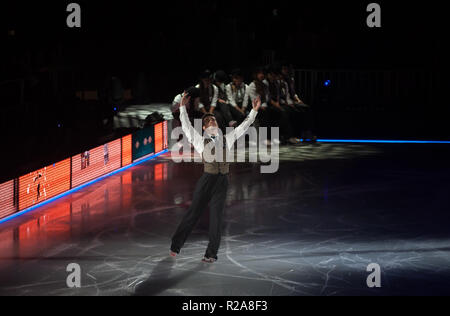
210, 189
294, 117
303, 119
307, 116
230, 113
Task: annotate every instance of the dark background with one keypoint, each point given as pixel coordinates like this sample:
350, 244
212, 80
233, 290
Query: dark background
158, 48
172, 41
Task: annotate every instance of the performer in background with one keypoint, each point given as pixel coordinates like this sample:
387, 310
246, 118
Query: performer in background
280, 116
209, 95
306, 114
192, 107
231, 114
237, 92
212, 187
258, 89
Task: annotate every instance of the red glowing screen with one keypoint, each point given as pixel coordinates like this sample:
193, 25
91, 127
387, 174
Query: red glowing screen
95, 163
166, 145
7, 206
43, 184
159, 137
127, 150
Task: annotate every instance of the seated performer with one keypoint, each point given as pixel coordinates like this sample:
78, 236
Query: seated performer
280, 116
292, 99
212, 187
258, 89
230, 113
209, 95
237, 92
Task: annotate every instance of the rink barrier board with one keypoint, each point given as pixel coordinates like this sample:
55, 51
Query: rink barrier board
36, 187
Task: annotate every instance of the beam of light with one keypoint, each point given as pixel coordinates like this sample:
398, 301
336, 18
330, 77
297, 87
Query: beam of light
365, 141
80, 187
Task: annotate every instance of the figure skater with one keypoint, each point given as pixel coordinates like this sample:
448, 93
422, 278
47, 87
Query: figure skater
212, 187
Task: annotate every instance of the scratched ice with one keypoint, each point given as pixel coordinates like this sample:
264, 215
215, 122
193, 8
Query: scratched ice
311, 229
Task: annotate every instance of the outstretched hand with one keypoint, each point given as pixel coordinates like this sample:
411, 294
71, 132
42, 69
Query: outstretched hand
256, 103
185, 99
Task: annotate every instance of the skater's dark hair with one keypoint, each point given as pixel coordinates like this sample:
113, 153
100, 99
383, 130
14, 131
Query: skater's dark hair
205, 116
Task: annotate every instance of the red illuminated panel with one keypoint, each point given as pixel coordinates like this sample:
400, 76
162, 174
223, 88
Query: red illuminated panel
159, 137
96, 162
43, 184
166, 145
7, 199
127, 151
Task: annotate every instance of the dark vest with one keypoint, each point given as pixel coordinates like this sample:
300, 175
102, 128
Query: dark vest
222, 93
284, 91
291, 84
274, 90
216, 167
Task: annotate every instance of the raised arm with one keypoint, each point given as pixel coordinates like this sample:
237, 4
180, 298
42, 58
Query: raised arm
241, 129
192, 135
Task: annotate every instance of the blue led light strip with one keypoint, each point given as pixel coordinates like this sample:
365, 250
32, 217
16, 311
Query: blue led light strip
80, 187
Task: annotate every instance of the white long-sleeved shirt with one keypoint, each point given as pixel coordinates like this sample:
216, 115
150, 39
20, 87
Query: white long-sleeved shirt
214, 98
233, 96
253, 94
197, 140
